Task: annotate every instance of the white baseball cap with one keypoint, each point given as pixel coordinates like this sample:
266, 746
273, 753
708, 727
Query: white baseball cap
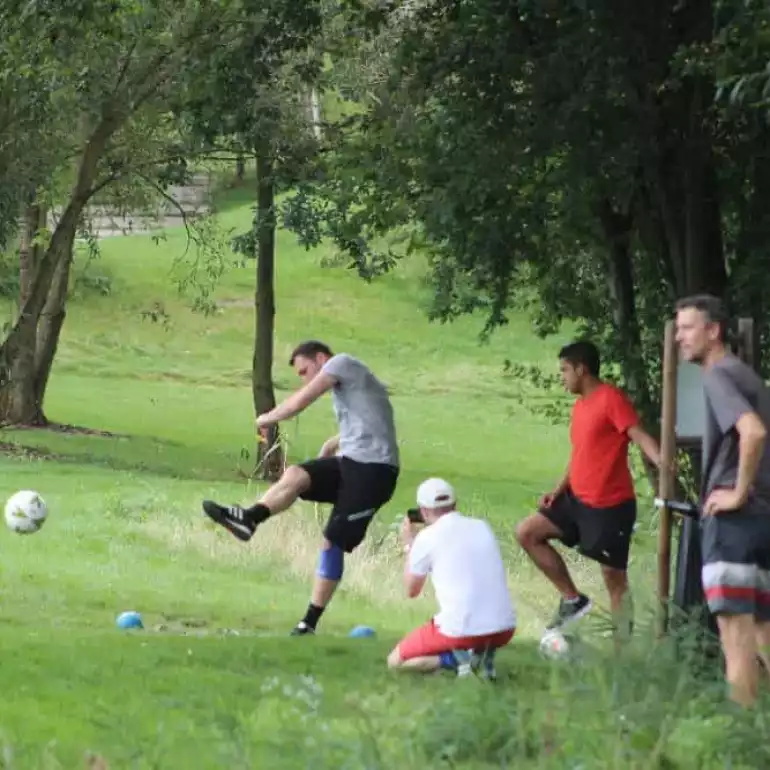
435, 493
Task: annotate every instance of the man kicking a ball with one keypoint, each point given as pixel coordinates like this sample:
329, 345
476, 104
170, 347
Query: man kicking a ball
356, 472
594, 506
476, 616
735, 494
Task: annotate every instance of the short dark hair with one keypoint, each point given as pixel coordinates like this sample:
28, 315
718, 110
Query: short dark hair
712, 307
582, 352
310, 349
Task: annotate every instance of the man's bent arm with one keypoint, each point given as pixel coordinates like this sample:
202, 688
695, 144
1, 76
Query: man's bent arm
752, 435
301, 400
413, 583
646, 443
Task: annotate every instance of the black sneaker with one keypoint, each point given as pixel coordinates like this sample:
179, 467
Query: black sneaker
232, 517
302, 629
570, 611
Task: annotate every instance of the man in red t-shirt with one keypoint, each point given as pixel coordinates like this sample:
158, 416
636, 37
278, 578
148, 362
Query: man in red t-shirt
594, 506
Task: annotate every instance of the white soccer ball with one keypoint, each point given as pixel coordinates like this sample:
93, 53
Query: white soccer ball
554, 645
25, 512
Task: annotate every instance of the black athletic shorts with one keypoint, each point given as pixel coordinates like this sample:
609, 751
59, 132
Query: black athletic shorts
356, 490
601, 534
735, 548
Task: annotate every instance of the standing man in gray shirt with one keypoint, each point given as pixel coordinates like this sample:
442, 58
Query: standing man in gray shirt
356, 471
735, 494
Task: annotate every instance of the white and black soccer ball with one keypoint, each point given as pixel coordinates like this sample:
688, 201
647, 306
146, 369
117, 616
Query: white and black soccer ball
554, 645
25, 512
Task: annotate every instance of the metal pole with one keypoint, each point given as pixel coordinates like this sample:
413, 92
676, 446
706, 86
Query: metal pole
666, 477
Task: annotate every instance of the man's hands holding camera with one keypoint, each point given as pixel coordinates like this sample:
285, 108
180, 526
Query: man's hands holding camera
410, 527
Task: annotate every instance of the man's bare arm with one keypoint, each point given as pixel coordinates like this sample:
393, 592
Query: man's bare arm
646, 443
299, 401
330, 446
752, 435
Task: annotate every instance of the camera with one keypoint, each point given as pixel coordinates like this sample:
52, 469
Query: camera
414, 515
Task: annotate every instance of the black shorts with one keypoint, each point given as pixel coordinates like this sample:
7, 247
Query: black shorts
356, 490
601, 534
735, 548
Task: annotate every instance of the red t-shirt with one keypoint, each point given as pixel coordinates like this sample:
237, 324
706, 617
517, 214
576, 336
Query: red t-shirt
598, 469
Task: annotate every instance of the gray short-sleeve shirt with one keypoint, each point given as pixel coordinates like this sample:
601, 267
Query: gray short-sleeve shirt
732, 389
364, 412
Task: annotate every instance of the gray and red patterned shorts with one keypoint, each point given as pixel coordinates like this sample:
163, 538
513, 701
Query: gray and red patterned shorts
735, 546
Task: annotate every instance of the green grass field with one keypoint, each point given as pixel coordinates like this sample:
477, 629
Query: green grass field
213, 681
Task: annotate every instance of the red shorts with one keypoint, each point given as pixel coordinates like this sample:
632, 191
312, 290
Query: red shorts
428, 640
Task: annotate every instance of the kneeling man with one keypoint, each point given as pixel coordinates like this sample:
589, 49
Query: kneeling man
476, 615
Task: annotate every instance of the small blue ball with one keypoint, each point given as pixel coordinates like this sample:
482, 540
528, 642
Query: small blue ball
129, 620
361, 631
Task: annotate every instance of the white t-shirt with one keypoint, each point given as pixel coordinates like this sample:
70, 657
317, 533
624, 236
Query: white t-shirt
469, 579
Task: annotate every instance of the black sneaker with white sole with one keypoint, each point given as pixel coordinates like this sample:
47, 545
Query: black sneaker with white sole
302, 629
569, 611
232, 517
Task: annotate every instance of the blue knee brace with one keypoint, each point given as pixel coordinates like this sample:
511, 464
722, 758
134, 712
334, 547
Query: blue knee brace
331, 563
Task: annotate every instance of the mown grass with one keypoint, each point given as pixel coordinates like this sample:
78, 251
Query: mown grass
212, 680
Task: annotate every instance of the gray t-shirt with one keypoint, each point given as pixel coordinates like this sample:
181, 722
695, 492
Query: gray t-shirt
731, 389
364, 412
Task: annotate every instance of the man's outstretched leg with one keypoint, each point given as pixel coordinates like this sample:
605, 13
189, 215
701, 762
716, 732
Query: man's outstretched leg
331, 563
243, 522
533, 535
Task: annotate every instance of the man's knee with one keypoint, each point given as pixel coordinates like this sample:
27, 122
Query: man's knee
394, 659
530, 532
297, 478
331, 562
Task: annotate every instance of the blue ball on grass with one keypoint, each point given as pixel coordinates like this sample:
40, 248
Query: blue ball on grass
361, 631
129, 620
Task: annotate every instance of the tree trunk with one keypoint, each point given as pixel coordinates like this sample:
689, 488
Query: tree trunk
18, 391
50, 326
705, 268
264, 316
748, 293
620, 282
685, 187
29, 250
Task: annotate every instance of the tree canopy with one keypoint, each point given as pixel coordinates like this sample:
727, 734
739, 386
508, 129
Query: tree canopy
610, 156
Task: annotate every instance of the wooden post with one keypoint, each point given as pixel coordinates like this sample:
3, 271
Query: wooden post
666, 478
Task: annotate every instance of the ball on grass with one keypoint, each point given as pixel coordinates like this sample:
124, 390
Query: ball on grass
361, 631
129, 619
555, 645
25, 512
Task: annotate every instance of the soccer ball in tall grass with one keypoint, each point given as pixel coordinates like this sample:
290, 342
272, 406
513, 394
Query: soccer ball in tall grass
25, 512
554, 645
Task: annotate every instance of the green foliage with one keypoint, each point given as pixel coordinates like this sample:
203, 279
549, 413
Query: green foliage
579, 152
9, 275
247, 93
202, 267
